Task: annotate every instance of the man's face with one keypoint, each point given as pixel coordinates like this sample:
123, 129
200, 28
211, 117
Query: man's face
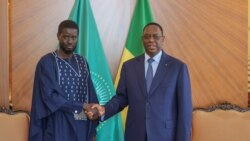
68, 40
152, 40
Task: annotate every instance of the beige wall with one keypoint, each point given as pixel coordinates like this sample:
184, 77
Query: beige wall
210, 36
4, 55
248, 66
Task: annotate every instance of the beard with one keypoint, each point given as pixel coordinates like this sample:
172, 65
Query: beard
65, 50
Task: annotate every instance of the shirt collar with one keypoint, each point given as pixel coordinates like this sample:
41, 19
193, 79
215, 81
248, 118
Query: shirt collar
156, 58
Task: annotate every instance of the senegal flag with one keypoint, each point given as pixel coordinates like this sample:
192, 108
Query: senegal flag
134, 47
90, 46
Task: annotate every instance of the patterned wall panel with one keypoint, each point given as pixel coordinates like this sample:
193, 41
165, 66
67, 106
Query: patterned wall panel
4, 55
211, 37
248, 66
33, 34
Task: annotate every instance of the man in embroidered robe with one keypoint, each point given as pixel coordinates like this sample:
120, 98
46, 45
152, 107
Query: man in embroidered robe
62, 86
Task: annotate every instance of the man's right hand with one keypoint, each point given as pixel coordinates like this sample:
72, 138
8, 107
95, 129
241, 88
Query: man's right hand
93, 111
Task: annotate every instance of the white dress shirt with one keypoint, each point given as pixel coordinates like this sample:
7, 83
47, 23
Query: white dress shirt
154, 64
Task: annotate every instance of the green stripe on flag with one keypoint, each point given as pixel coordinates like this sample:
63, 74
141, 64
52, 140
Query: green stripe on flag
142, 16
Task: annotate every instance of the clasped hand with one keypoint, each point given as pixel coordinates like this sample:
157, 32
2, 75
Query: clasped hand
93, 110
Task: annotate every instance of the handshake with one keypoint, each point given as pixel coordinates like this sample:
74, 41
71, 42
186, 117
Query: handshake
93, 111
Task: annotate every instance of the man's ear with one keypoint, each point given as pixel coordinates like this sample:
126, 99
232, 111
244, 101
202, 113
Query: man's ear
164, 38
58, 35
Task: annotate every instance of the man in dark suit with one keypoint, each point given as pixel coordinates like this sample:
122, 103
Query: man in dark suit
157, 92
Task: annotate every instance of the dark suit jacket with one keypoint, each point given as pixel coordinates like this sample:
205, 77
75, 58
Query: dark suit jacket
163, 114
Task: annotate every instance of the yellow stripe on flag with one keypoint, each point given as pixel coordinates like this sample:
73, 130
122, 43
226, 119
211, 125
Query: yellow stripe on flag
126, 55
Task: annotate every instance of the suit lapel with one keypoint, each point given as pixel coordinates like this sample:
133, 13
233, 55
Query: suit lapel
140, 71
160, 72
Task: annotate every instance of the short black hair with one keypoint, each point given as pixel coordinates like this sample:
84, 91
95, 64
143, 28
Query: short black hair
153, 23
67, 24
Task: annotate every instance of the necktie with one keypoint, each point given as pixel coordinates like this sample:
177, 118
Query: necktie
149, 75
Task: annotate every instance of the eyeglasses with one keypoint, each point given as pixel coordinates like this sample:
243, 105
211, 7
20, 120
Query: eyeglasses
154, 36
